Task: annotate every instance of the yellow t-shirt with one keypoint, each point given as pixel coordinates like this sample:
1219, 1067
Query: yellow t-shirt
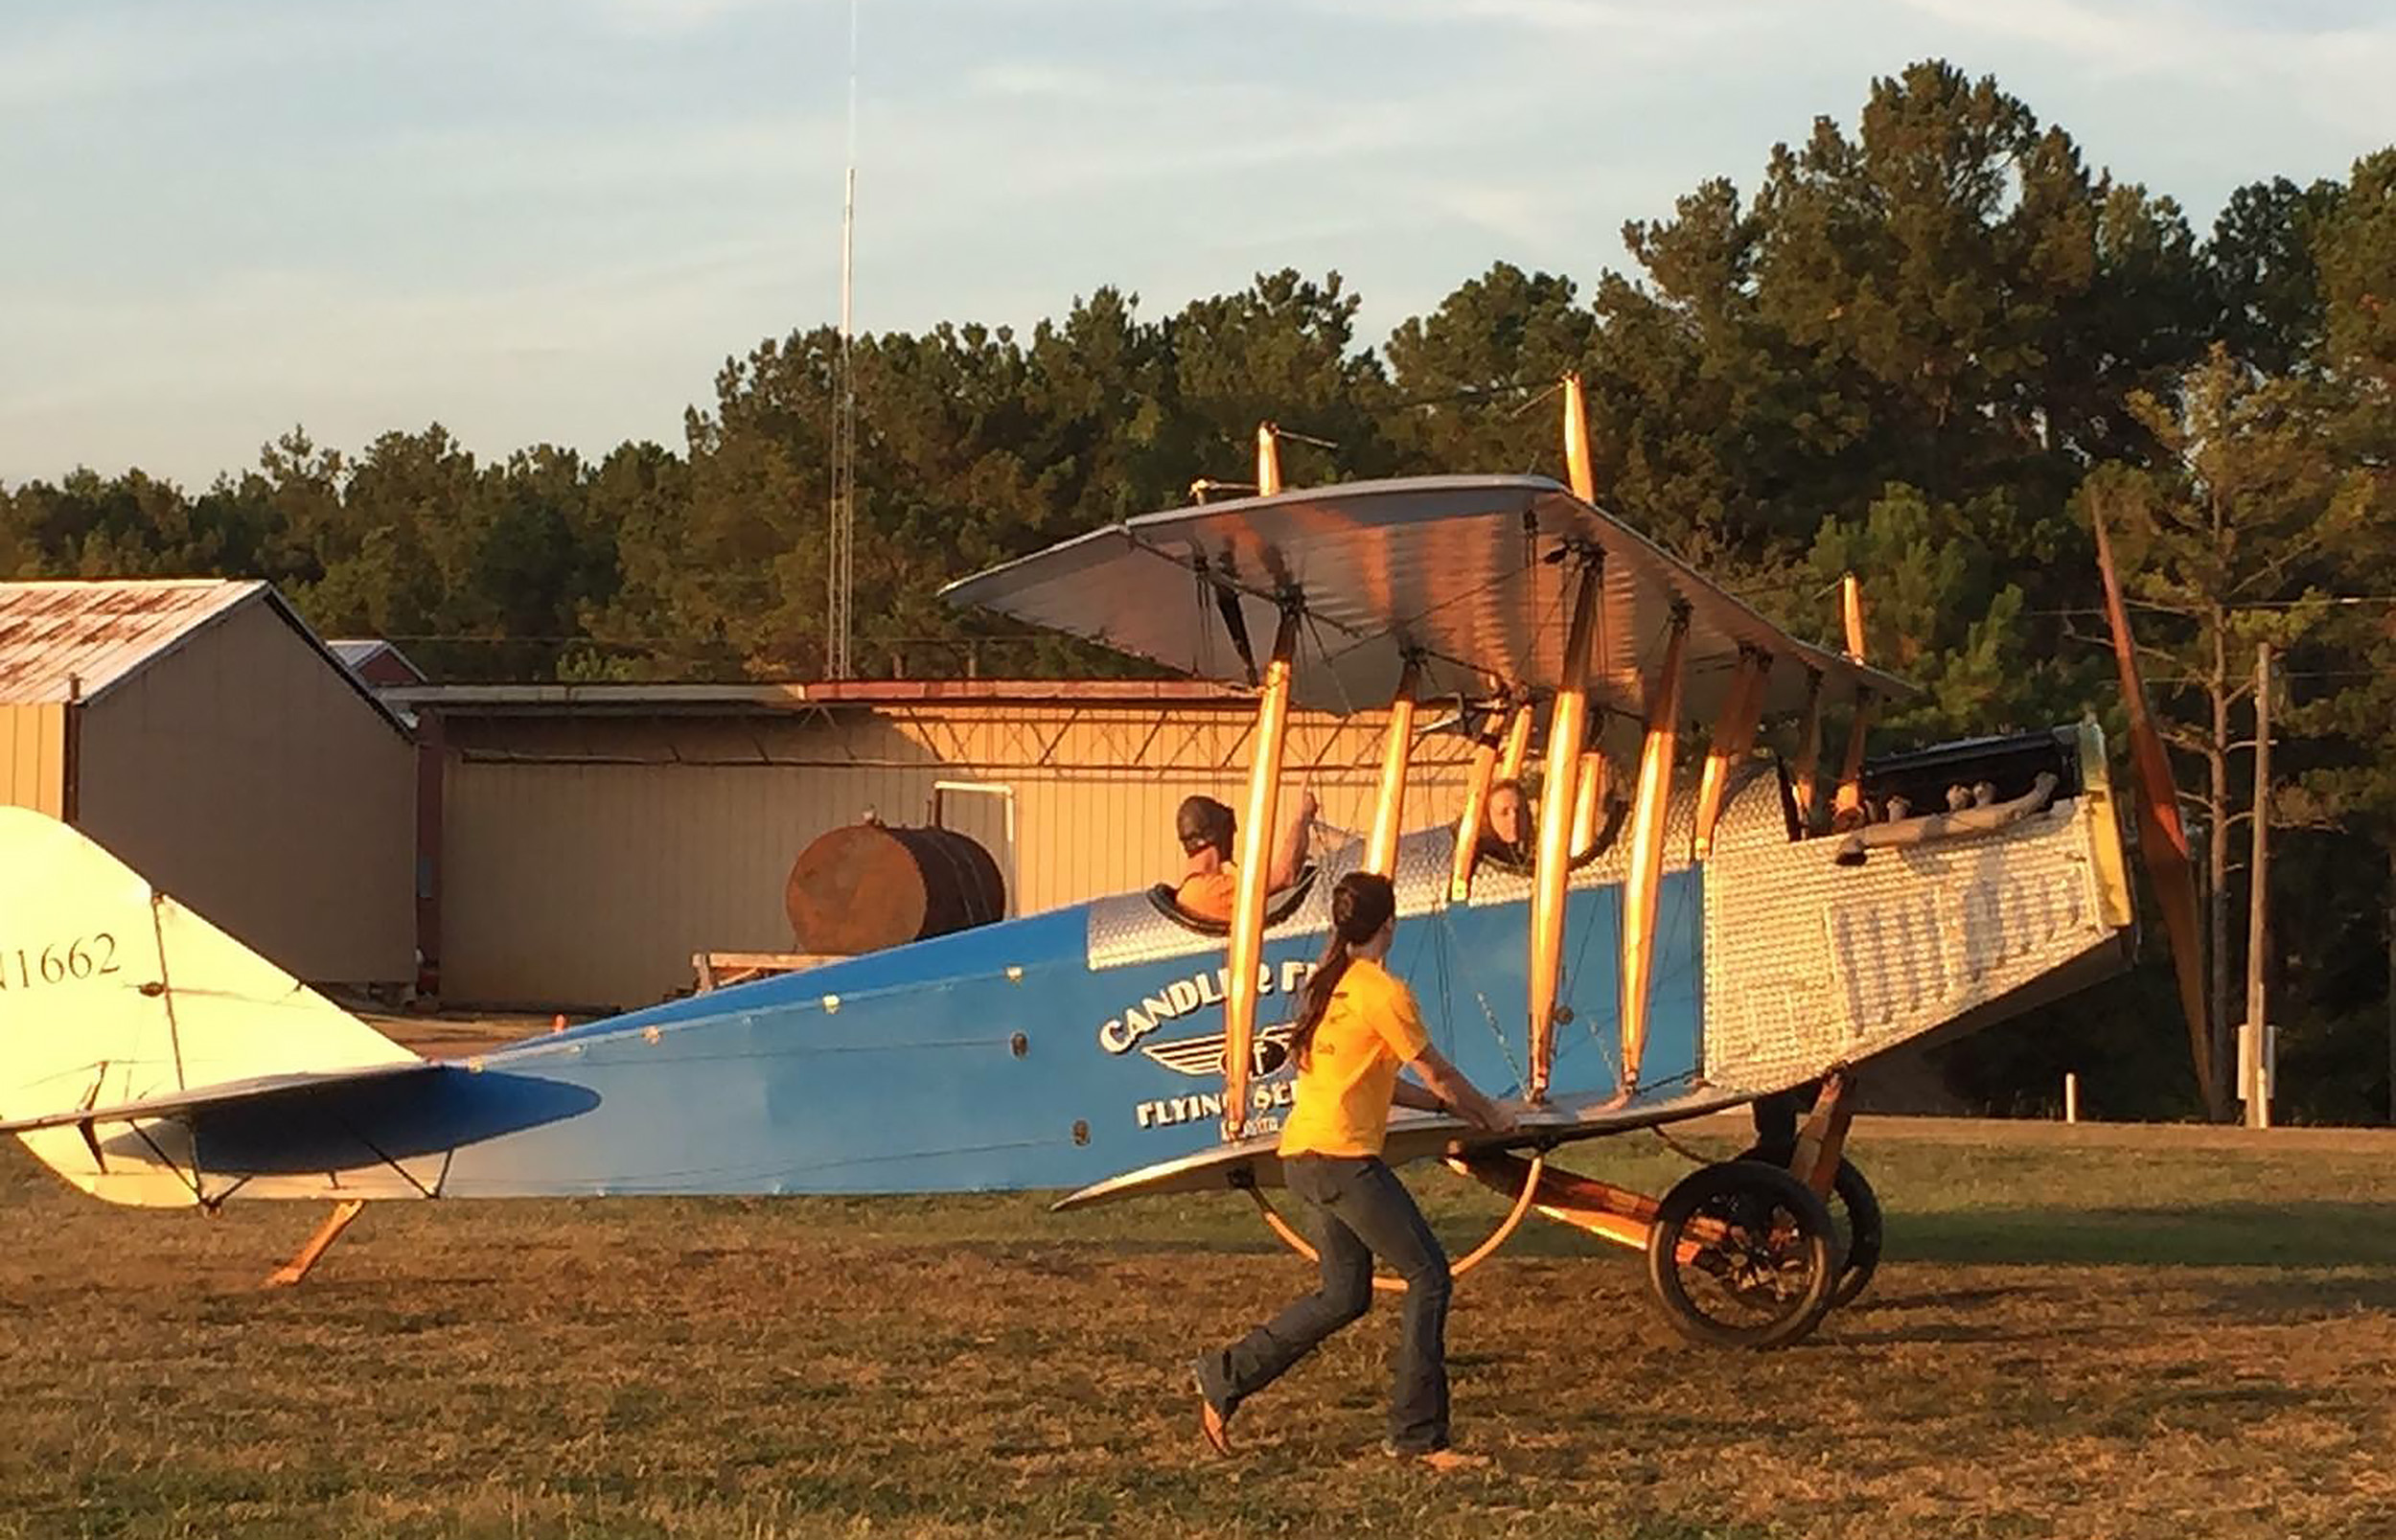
1343, 1095
1209, 895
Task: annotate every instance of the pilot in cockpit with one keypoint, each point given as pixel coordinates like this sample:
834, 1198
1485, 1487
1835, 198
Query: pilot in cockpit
1210, 877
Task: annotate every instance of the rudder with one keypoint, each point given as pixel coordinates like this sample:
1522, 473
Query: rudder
111, 991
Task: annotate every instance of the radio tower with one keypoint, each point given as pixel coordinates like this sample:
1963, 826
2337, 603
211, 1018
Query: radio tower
839, 565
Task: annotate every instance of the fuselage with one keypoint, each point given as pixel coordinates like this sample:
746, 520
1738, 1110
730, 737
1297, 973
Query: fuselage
1069, 1047
1048, 1051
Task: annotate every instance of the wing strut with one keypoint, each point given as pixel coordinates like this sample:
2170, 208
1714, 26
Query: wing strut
1576, 468
1589, 794
1733, 737
1806, 771
1381, 850
1483, 770
1509, 765
1567, 719
1255, 858
1589, 781
1649, 811
1847, 807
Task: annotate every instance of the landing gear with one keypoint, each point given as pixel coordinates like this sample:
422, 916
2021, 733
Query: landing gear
1743, 1254
1855, 1219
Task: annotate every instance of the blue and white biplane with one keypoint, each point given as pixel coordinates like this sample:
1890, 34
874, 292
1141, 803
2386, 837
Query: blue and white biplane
1702, 941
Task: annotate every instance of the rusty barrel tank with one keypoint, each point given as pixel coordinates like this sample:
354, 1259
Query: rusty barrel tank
870, 885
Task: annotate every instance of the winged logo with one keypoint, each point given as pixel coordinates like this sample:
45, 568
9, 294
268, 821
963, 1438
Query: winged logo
1204, 1055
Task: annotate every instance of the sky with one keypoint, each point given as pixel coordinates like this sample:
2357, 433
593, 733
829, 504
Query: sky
553, 220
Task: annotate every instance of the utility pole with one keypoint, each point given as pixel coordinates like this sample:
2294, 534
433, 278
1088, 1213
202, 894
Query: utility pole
840, 566
2254, 1055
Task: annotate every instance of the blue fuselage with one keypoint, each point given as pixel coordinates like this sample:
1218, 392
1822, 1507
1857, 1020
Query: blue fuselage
1017, 1055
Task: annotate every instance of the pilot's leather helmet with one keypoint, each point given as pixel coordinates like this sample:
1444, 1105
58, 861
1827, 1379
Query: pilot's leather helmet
1203, 821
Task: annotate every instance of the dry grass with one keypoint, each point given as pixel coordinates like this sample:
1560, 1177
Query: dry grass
2079, 1333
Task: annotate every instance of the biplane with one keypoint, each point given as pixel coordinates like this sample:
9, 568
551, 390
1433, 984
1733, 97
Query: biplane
1684, 939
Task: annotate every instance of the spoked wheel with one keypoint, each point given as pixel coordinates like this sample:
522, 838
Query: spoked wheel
1742, 1255
1855, 1221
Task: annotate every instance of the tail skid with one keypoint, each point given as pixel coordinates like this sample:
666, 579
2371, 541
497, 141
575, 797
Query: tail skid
116, 1001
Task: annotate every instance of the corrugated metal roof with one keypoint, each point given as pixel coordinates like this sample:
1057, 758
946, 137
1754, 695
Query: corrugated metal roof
376, 661
61, 641
77, 640
640, 699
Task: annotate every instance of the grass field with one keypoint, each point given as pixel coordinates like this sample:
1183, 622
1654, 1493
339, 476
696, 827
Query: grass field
2093, 1331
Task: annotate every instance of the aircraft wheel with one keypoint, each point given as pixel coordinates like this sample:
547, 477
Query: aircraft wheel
1742, 1255
1854, 1220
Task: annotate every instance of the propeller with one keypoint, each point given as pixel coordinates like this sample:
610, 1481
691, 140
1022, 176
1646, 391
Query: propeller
2162, 841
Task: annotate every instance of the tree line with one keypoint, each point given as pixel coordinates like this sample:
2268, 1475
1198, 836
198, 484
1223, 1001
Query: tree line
1928, 348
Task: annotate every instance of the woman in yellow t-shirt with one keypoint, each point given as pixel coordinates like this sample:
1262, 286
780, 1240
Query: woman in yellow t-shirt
1357, 1028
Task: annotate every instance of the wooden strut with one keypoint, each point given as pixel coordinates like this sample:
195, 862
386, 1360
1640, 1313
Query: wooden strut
1589, 781
321, 1241
1509, 765
1256, 857
1567, 721
1733, 736
1483, 770
1650, 808
2163, 839
1268, 459
1805, 770
1389, 808
1611, 1213
1847, 809
1589, 794
1577, 466
1290, 1237
1822, 1143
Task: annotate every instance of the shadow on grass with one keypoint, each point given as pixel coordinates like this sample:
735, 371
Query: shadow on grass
2244, 1234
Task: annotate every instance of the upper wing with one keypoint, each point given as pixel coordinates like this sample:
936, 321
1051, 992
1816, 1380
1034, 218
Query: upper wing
1456, 570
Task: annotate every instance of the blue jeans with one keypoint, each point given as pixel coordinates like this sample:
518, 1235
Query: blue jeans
1360, 1210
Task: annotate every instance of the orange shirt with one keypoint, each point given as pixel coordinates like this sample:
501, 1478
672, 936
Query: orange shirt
1209, 895
1342, 1094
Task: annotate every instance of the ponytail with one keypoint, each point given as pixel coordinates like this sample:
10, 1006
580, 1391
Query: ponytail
1360, 905
1320, 988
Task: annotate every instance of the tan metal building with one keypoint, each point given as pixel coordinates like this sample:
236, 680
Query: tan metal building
201, 731
592, 837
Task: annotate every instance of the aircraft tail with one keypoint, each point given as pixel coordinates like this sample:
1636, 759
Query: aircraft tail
111, 993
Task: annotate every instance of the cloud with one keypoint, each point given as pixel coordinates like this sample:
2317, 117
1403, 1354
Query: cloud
653, 18
2337, 75
1642, 31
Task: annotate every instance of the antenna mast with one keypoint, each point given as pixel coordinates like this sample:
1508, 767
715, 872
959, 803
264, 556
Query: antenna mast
839, 565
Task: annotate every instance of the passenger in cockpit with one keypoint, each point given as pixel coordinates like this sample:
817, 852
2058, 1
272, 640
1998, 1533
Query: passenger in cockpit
1505, 826
1209, 877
